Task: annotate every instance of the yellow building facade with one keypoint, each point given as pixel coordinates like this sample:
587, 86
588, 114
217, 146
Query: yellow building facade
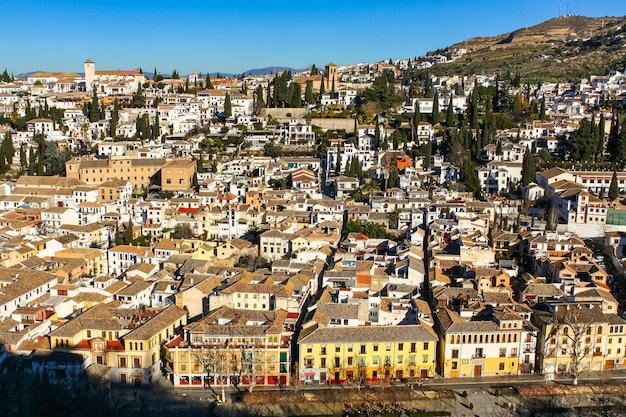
360, 355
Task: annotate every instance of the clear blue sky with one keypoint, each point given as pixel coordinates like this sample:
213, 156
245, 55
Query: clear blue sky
235, 36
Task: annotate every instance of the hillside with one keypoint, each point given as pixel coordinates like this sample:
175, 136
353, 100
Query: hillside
560, 49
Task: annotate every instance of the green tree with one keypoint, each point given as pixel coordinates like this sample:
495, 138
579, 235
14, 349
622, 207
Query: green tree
528, 168
338, 163
32, 162
8, 148
308, 93
115, 117
450, 115
272, 150
383, 91
542, 109
128, 235
228, 109
209, 84
296, 95
469, 176
175, 75
23, 159
53, 160
314, 70
428, 150
139, 100
435, 108
94, 108
322, 87
613, 188
499, 147
583, 141
393, 174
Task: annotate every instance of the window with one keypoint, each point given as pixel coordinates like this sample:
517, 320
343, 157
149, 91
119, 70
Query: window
375, 359
388, 347
425, 345
89, 334
309, 349
337, 348
501, 366
375, 348
455, 365
323, 350
350, 361
455, 353
323, 363
363, 350
168, 181
350, 347
400, 346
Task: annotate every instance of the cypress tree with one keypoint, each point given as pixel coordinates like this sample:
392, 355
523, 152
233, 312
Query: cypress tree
115, 117
499, 148
435, 108
314, 70
542, 109
23, 159
474, 110
450, 115
308, 92
154, 76
32, 162
228, 106
94, 109
322, 88
128, 236
377, 134
338, 164
528, 168
296, 95
600, 136
8, 148
260, 96
209, 84
427, 155
613, 188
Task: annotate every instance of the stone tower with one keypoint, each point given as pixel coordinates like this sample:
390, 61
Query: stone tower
331, 76
90, 72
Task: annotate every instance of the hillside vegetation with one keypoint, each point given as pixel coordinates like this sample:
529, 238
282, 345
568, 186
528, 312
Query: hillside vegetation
561, 49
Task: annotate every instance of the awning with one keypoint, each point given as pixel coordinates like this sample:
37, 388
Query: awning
309, 374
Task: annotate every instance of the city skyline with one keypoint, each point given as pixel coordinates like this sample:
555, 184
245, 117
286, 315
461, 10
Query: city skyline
222, 38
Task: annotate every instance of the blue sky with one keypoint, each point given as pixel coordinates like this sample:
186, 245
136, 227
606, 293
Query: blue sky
235, 36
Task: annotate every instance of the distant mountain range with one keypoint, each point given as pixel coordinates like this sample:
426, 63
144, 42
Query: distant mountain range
150, 75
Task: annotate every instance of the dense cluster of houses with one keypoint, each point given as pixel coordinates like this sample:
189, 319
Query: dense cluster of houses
138, 264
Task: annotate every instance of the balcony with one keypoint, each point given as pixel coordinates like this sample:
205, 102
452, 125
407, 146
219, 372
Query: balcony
479, 356
308, 365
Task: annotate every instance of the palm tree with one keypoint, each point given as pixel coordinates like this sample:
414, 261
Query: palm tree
394, 217
371, 187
